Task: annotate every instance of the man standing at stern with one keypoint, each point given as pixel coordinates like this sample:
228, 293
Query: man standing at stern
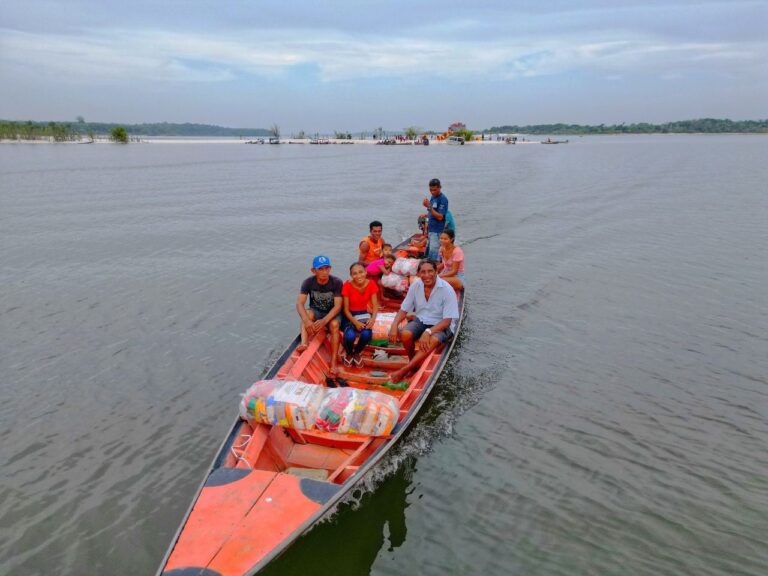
437, 208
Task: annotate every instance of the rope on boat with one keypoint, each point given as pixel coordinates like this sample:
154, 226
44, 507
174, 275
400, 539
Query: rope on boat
242, 447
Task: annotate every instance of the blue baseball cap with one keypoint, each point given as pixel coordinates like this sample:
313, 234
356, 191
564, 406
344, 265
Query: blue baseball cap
321, 261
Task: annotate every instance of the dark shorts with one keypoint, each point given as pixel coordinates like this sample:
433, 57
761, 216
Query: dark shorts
320, 314
417, 327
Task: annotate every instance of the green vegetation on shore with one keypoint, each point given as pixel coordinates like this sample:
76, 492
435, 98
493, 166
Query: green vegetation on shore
66, 131
62, 131
56, 131
700, 126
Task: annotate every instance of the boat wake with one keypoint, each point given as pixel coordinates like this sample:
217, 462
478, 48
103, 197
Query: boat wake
455, 393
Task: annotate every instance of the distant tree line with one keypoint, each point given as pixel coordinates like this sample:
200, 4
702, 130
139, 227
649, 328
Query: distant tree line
56, 131
702, 125
61, 131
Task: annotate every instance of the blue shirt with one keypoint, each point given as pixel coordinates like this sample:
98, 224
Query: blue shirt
449, 221
440, 204
442, 303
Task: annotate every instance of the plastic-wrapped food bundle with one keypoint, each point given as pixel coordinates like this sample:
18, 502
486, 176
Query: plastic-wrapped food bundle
406, 266
286, 403
395, 282
382, 324
353, 411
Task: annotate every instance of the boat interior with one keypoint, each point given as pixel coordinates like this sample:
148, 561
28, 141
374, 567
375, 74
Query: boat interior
317, 454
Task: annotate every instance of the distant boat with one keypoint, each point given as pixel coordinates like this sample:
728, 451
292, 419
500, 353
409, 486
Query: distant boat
257, 141
455, 140
320, 141
274, 140
549, 141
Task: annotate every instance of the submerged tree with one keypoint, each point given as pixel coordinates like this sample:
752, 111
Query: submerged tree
119, 134
275, 130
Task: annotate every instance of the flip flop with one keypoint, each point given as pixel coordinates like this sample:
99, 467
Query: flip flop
378, 373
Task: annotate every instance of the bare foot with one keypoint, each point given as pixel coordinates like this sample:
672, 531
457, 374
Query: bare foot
396, 376
334, 370
301, 347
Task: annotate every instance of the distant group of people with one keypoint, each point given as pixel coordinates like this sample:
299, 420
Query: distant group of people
348, 310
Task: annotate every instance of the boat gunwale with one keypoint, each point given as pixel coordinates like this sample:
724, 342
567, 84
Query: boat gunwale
348, 484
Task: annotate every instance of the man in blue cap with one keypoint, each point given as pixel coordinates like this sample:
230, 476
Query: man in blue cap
437, 208
324, 292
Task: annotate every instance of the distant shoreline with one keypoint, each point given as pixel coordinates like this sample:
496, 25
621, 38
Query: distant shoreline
229, 140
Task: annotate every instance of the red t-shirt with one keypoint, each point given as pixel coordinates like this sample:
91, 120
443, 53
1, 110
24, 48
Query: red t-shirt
359, 301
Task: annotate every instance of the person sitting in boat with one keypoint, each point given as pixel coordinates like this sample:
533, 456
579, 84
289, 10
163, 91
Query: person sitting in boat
436, 309
451, 266
372, 246
324, 293
381, 266
419, 241
361, 304
450, 223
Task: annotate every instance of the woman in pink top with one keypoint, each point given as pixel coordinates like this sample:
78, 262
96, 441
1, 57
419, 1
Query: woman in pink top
451, 266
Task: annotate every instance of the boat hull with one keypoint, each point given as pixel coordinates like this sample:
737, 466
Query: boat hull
269, 485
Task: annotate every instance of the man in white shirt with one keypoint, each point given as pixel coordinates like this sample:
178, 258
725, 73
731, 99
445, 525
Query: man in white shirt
434, 302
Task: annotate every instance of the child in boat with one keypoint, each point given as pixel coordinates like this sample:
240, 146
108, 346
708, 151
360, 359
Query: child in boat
360, 306
451, 266
381, 266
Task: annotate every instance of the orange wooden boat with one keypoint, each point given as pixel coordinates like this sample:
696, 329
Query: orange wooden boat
268, 484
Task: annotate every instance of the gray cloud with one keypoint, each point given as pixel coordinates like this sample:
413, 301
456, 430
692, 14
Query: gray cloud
312, 55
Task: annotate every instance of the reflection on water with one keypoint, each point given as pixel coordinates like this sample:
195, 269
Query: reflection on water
372, 524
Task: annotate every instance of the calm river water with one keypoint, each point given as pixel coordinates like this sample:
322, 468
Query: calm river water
605, 412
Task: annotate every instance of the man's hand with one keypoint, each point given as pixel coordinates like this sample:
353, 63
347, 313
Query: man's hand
425, 342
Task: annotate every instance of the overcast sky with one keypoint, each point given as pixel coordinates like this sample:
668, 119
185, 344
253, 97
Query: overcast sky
324, 65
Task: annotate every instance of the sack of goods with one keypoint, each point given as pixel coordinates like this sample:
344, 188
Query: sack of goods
406, 266
382, 324
353, 411
395, 282
282, 402
303, 406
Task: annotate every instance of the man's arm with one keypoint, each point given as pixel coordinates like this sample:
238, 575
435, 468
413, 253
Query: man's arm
301, 302
442, 208
363, 249
434, 213
395, 323
301, 307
